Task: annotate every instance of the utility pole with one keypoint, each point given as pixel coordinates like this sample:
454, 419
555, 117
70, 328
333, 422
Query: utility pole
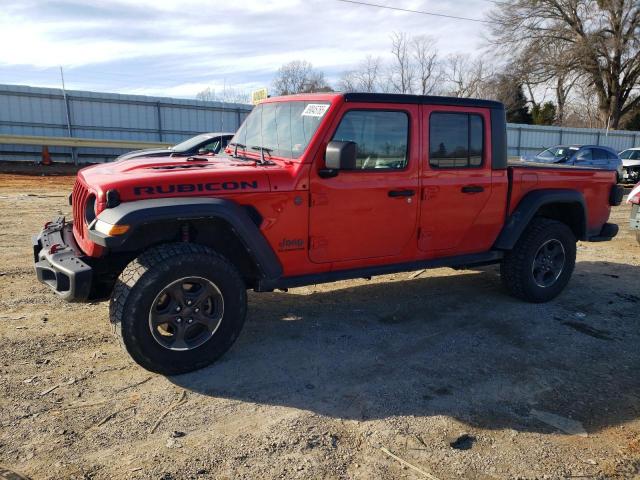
74, 155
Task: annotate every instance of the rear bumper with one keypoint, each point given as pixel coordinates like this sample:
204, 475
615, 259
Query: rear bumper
59, 263
634, 219
615, 195
608, 231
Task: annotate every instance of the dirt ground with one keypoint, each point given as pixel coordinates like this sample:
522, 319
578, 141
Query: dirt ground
323, 378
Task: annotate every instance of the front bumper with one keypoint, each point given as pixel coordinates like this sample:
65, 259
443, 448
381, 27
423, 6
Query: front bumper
59, 263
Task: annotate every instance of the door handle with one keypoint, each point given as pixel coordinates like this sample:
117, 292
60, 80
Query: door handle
401, 193
472, 189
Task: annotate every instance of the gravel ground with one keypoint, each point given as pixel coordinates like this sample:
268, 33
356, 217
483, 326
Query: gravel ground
443, 369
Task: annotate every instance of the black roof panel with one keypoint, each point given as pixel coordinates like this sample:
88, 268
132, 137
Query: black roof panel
420, 99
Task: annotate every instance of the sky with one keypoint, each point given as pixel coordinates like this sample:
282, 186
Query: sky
178, 48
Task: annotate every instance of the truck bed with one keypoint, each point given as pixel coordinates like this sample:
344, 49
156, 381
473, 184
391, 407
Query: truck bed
594, 184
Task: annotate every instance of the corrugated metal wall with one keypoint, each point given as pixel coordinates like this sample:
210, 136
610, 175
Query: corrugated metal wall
531, 139
42, 111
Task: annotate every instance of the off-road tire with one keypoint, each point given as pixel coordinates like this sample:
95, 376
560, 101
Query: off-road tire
138, 286
516, 269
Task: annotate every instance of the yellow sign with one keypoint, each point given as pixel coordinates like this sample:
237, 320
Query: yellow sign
258, 95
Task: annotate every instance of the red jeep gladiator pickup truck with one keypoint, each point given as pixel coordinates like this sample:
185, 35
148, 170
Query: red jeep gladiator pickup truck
314, 188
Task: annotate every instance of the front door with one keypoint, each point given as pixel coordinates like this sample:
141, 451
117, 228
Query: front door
371, 210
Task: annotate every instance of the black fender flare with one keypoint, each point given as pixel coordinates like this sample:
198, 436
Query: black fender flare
157, 211
529, 206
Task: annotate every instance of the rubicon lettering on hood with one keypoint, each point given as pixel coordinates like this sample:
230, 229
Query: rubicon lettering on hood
194, 187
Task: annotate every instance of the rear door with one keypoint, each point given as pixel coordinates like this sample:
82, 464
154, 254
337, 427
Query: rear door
370, 211
456, 177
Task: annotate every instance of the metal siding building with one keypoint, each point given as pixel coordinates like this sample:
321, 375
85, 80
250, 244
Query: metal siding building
43, 112
531, 139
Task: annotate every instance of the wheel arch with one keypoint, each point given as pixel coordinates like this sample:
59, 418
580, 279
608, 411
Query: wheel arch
223, 225
566, 206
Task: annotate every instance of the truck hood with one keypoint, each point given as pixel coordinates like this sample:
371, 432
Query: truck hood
158, 177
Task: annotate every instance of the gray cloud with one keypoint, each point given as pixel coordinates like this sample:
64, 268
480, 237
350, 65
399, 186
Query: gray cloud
138, 44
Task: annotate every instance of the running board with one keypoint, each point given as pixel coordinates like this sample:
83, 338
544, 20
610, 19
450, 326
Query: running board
459, 261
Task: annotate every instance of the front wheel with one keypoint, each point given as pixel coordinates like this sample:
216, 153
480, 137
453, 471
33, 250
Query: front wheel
542, 261
178, 307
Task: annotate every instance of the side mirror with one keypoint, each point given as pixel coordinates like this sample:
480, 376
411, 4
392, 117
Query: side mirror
202, 151
339, 156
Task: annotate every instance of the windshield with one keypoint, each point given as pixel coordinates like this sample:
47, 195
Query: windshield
630, 155
556, 154
284, 128
190, 143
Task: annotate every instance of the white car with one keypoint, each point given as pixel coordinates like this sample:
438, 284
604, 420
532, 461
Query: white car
630, 165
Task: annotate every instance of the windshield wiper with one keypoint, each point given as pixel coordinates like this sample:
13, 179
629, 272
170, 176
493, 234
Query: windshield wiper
263, 161
235, 149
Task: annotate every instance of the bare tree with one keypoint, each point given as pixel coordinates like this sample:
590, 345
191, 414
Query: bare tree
465, 76
299, 76
206, 95
425, 55
227, 94
601, 36
401, 72
549, 65
365, 78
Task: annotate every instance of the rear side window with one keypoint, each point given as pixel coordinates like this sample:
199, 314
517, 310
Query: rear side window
382, 138
456, 140
585, 154
600, 154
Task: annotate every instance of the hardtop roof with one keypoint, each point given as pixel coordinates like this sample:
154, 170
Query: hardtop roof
420, 99
362, 97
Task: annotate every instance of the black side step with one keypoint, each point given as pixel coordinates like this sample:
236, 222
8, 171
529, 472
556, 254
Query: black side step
459, 261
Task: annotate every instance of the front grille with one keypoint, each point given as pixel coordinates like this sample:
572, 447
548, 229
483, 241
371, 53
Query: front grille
78, 201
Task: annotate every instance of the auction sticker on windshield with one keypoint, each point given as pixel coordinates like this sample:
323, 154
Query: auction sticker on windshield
315, 110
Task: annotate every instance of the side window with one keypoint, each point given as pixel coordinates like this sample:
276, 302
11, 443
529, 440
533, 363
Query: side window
382, 138
599, 154
612, 156
584, 154
213, 147
456, 140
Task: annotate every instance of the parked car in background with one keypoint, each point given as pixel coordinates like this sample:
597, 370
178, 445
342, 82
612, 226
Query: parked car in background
205, 143
634, 219
630, 165
595, 156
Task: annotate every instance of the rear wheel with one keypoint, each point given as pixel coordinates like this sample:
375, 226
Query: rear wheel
178, 307
542, 261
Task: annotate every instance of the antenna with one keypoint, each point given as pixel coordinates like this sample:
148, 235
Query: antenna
68, 112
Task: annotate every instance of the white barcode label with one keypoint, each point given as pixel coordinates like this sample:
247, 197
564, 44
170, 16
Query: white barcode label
315, 110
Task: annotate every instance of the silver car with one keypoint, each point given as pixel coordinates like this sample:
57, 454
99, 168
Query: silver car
595, 156
630, 165
203, 144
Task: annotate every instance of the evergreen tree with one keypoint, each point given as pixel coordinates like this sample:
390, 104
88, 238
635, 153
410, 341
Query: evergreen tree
516, 105
544, 114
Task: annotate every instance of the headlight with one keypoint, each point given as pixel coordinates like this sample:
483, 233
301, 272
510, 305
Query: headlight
110, 230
